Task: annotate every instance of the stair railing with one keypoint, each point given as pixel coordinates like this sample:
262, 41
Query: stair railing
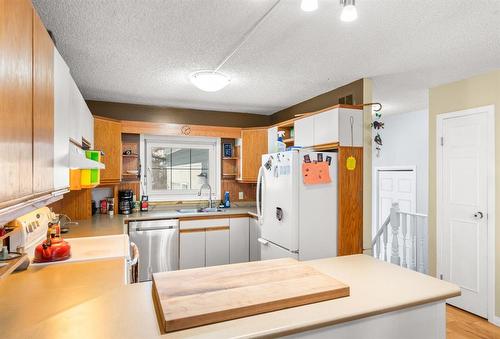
403, 225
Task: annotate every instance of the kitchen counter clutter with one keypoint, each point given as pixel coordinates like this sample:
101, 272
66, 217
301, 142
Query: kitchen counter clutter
98, 305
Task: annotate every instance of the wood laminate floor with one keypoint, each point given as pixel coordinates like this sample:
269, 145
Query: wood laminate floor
464, 325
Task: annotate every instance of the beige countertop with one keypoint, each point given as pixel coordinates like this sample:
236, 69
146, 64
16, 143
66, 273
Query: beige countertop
103, 224
95, 310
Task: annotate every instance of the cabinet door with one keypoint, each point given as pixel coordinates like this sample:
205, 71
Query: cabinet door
74, 111
304, 132
239, 240
61, 122
191, 249
43, 108
326, 127
254, 243
16, 99
253, 146
108, 138
217, 246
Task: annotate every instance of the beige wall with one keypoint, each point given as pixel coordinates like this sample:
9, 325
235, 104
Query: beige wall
478, 91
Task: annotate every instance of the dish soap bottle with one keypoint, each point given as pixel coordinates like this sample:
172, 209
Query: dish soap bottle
227, 203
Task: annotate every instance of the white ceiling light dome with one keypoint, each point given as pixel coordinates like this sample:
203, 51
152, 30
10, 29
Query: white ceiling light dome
209, 81
349, 12
309, 5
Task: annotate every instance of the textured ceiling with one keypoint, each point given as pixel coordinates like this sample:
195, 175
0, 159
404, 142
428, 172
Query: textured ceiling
143, 51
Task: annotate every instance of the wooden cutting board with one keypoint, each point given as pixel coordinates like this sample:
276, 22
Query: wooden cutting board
201, 296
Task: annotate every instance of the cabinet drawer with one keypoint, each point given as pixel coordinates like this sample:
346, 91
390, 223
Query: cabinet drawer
203, 223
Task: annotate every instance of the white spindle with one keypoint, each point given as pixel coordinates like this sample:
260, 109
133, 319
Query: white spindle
413, 243
395, 259
378, 244
386, 235
420, 252
404, 228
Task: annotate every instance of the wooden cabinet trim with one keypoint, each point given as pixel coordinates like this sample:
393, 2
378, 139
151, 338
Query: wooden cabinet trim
159, 128
350, 203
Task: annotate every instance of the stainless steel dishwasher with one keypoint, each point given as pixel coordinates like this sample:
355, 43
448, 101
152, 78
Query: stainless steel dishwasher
158, 243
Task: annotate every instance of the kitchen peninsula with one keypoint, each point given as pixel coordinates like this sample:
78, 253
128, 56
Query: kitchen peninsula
382, 295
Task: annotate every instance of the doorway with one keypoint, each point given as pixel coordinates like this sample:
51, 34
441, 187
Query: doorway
465, 206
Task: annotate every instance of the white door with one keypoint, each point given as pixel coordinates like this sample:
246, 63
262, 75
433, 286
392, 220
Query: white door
462, 208
395, 185
279, 199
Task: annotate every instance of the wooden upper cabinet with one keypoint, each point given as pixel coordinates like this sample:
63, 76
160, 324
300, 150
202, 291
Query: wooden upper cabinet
108, 138
253, 146
43, 108
16, 140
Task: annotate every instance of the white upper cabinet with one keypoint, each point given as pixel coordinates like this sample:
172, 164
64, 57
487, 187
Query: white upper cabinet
338, 125
326, 127
61, 122
304, 132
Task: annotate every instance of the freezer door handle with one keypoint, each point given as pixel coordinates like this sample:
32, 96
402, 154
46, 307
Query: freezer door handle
263, 241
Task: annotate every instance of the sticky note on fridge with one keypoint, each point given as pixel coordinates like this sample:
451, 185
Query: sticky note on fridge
316, 173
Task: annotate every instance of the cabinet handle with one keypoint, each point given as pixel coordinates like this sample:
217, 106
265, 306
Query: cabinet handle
263, 241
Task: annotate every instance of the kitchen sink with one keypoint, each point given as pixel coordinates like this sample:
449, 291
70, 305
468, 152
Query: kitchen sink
200, 210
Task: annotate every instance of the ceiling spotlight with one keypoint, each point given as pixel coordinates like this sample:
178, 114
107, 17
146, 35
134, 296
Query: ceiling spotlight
209, 81
309, 5
349, 12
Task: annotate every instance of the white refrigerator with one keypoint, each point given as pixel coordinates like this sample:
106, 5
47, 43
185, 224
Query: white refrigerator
297, 220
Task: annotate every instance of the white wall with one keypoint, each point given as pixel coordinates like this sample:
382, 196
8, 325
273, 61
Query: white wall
406, 143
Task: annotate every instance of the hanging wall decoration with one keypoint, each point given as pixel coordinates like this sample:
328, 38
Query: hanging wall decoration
377, 126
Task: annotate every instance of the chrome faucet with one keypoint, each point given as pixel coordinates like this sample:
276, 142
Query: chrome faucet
209, 192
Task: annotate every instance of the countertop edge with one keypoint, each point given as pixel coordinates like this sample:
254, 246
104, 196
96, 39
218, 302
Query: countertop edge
301, 328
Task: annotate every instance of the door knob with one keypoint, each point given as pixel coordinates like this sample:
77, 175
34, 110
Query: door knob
478, 215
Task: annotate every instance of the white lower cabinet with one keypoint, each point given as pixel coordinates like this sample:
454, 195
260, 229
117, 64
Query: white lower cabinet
192, 249
239, 240
216, 246
254, 243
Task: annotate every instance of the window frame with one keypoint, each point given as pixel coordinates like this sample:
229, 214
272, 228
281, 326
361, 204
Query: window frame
214, 168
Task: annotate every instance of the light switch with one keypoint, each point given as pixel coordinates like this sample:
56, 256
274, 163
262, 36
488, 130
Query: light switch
240, 195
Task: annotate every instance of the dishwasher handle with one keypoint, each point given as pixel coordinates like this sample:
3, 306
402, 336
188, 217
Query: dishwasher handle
158, 228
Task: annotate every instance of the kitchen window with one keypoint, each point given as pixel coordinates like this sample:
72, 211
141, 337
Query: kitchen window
176, 168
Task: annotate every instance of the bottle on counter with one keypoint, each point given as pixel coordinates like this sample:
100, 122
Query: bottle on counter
227, 203
111, 205
144, 203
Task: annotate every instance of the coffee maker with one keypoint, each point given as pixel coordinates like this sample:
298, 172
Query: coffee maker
125, 201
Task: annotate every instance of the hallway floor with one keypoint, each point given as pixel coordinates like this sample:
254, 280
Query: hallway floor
464, 325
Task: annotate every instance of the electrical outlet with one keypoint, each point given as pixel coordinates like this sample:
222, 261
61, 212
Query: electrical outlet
240, 195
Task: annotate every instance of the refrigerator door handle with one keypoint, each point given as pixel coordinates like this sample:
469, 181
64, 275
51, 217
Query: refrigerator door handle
260, 201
